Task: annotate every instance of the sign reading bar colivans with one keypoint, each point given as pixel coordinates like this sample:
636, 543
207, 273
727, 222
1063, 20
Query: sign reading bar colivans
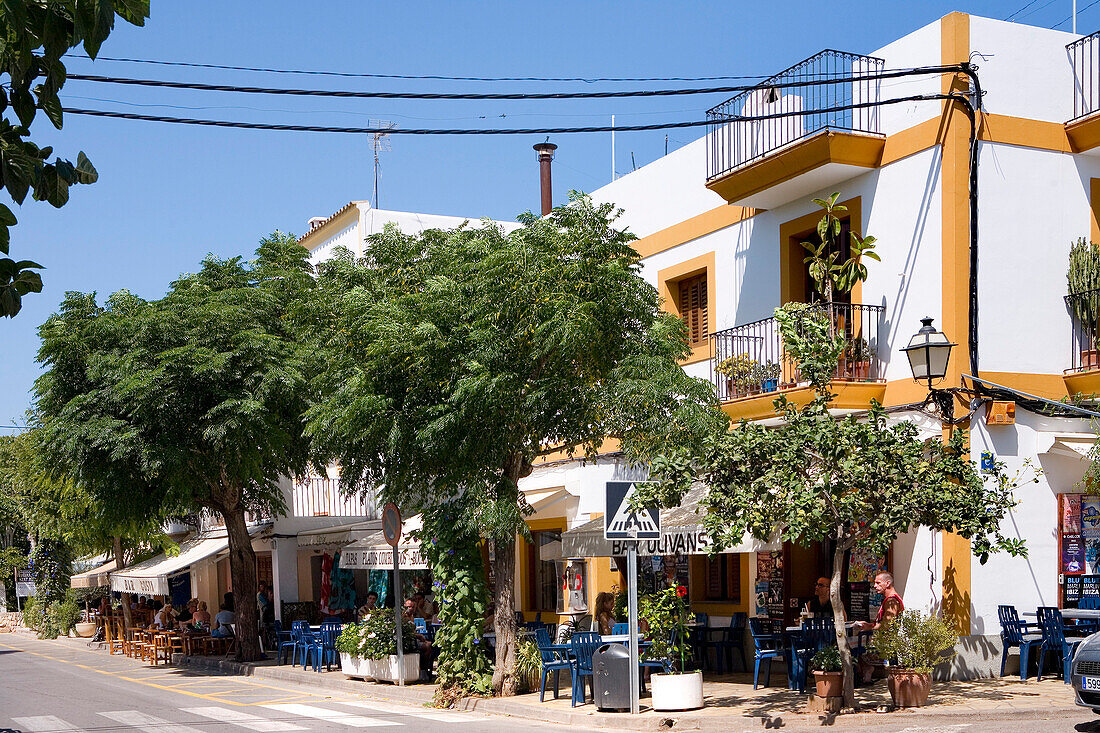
381, 558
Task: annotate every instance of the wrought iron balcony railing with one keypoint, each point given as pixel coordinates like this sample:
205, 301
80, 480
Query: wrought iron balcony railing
1084, 309
1084, 54
320, 496
750, 359
734, 142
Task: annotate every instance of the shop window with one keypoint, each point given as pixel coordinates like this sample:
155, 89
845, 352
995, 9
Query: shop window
693, 307
263, 569
546, 548
722, 578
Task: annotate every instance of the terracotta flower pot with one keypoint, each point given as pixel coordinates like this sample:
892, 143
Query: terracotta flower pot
909, 688
829, 684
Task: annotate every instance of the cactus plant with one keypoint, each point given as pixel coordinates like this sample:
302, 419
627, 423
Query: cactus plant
1083, 285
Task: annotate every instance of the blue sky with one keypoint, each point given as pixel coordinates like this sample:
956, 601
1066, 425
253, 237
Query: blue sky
168, 195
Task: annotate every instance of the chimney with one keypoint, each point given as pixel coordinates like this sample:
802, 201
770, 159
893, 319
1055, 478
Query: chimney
315, 222
546, 154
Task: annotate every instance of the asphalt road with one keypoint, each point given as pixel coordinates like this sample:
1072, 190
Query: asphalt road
52, 687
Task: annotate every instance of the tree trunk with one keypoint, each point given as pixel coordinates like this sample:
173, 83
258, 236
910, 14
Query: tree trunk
504, 572
242, 571
840, 620
120, 563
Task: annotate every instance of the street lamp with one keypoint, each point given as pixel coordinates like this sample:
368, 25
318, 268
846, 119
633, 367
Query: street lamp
928, 352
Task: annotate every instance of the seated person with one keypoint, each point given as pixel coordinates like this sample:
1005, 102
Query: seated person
820, 605
222, 621
164, 618
370, 606
184, 617
202, 616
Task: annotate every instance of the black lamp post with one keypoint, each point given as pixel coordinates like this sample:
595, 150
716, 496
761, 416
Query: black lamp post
929, 352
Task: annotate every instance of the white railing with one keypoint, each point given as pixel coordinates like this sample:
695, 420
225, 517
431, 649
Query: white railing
319, 496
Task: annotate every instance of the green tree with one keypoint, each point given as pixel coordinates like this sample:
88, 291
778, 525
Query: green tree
191, 402
459, 358
858, 480
36, 34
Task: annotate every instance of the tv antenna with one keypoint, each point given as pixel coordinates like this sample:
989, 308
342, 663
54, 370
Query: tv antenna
380, 142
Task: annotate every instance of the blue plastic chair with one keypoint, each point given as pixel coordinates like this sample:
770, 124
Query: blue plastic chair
732, 638
553, 660
303, 646
284, 643
421, 626
1016, 633
816, 634
1056, 641
583, 645
323, 648
618, 629
767, 645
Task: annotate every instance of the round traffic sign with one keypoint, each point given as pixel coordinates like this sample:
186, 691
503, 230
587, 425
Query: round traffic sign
391, 524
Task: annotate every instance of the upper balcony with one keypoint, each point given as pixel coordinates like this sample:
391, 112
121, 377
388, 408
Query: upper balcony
777, 143
1084, 129
1083, 376
321, 496
750, 368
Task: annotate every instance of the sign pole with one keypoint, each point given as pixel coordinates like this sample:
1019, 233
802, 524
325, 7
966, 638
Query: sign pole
397, 619
632, 617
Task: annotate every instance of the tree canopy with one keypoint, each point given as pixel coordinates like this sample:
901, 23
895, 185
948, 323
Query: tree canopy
861, 480
36, 35
459, 358
191, 402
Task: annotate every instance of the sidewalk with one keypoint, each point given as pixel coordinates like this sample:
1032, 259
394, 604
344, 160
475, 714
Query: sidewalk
731, 703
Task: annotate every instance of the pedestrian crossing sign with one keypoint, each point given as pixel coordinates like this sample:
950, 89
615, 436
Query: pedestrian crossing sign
621, 522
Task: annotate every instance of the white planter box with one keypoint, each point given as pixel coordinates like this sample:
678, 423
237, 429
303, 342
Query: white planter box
387, 670
677, 691
353, 666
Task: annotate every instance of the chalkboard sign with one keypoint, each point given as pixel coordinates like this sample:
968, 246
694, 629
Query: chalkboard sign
859, 605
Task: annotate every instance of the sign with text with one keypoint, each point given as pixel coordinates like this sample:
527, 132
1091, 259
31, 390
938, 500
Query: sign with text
622, 522
381, 558
24, 589
156, 586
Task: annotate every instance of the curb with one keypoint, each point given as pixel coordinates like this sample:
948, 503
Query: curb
418, 695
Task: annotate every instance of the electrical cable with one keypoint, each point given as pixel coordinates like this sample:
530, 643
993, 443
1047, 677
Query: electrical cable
1010, 16
196, 86
501, 131
1068, 18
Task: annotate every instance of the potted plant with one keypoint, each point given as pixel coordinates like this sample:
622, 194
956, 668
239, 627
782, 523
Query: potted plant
767, 375
666, 615
528, 666
1083, 296
915, 643
740, 371
368, 649
857, 358
828, 674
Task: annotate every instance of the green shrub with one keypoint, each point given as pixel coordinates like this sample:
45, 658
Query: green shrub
60, 618
528, 665
32, 614
373, 637
827, 659
915, 641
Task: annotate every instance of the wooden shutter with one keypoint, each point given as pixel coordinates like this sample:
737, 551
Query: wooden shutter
693, 308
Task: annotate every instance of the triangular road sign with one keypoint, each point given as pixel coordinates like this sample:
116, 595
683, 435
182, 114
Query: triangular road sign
625, 523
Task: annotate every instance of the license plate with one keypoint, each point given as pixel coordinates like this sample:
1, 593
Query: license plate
1090, 683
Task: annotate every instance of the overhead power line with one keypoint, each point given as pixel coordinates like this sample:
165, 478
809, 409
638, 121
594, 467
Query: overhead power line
1068, 18
197, 86
420, 77
500, 131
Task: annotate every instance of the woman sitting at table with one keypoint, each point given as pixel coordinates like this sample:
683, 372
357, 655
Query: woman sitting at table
202, 616
605, 613
164, 618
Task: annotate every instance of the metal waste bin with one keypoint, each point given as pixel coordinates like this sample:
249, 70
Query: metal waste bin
611, 677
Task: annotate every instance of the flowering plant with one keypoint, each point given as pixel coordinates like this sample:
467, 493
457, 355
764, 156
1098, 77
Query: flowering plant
373, 637
666, 615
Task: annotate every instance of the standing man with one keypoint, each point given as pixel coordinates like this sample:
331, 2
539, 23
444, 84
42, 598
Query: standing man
892, 605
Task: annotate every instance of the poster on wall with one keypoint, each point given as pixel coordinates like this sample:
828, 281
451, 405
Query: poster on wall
859, 606
1071, 513
864, 565
761, 598
1090, 532
1071, 591
769, 600
1073, 554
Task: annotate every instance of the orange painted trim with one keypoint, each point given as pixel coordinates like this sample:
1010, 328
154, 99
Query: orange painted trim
697, 226
904, 143
667, 280
1084, 134
792, 268
849, 396
826, 146
1085, 383
1025, 132
1050, 386
609, 445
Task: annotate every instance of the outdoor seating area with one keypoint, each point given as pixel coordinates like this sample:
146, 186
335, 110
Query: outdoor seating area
1056, 632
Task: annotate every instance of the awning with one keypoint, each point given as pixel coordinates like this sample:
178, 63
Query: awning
150, 577
1069, 445
338, 536
373, 553
681, 533
94, 578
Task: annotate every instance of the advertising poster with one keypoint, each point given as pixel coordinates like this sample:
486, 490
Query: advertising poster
1072, 590
1071, 514
1073, 554
1090, 585
864, 565
1090, 532
762, 598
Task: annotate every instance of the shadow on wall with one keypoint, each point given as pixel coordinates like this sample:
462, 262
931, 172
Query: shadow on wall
975, 656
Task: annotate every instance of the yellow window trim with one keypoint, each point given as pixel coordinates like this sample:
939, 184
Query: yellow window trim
668, 280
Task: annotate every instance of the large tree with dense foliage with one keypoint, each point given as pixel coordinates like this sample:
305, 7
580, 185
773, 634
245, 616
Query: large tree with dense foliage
857, 481
34, 36
193, 401
460, 358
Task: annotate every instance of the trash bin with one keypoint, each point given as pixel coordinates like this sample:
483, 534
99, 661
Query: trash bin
611, 677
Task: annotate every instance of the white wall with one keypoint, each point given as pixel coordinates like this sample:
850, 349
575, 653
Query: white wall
919, 48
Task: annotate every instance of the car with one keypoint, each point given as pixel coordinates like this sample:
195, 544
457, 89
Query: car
1085, 673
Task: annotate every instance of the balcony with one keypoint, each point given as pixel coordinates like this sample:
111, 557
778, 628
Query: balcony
1083, 376
1083, 129
791, 153
750, 368
320, 496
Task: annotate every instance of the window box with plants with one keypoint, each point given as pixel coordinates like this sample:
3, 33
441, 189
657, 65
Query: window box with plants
666, 615
742, 375
913, 644
828, 672
856, 359
369, 650
767, 376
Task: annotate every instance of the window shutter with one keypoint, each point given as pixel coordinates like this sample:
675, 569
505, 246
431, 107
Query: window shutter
693, 308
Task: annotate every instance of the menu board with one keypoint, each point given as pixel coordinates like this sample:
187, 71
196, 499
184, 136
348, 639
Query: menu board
859, 608
769, 584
